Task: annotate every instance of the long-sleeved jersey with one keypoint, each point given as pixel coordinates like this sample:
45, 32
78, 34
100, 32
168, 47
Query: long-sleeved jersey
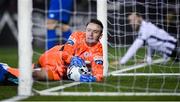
58, 58
155, 38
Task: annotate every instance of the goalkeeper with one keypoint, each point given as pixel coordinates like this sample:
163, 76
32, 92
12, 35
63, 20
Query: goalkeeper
81, 47
156, 39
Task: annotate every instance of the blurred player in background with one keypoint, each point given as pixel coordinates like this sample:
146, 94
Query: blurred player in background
156, 39
81, 47
59, 14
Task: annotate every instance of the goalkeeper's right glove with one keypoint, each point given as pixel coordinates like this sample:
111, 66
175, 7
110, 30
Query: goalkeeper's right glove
87, 78
77, 62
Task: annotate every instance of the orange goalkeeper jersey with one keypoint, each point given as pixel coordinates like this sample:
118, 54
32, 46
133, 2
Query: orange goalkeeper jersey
58, 58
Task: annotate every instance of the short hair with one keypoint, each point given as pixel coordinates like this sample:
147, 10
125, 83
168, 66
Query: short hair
136, 13
96, 21
139, 10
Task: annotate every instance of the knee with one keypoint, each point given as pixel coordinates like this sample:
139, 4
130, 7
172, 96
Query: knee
43, 74
63, 27
51, 24
40, 75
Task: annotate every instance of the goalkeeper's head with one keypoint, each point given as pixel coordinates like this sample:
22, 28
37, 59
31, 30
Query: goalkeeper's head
94, 30
135, 19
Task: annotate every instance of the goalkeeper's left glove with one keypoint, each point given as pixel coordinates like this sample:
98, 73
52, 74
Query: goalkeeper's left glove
87, 78
77, 62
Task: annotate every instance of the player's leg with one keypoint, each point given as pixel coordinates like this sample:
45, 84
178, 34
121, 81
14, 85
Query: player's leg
50, 65
3, 71
53, 15
8, 75
66, 32
177, 58
176, 53
47, 73
42, 74
52, 38
66, 6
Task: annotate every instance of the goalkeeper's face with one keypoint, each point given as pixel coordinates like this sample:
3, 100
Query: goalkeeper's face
93, 33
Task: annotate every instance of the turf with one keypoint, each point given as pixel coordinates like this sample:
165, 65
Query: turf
110, 84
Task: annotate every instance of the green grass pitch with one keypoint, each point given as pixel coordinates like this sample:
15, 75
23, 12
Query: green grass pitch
9, 55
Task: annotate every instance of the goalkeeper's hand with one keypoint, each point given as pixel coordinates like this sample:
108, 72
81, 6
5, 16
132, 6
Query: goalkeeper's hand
87, 78
77, 62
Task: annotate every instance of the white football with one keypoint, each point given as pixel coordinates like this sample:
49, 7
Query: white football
74, 72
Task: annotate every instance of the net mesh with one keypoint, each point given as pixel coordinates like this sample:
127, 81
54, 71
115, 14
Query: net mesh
133, 78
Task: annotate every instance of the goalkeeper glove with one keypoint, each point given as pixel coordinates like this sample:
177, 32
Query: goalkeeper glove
87, 78
77, 62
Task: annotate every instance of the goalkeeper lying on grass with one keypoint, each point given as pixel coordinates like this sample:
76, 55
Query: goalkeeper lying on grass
68, 60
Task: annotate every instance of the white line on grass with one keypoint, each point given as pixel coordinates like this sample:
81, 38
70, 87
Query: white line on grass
134, 67
15, 98
58, 88
110, 94
146, 74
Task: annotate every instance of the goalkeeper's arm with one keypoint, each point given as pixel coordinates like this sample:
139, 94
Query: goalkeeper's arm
131, 51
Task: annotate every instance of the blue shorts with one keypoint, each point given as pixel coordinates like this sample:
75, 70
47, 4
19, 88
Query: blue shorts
60, 10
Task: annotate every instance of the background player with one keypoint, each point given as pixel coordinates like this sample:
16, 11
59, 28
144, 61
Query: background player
156, 39
58, 18
80, 47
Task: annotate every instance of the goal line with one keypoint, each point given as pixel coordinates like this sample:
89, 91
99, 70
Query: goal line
109, 94
146, 74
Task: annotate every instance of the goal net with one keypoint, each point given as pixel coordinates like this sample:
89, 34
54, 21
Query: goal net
134, 78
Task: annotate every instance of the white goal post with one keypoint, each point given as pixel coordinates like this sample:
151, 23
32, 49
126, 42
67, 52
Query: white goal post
102, 16
25, 47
